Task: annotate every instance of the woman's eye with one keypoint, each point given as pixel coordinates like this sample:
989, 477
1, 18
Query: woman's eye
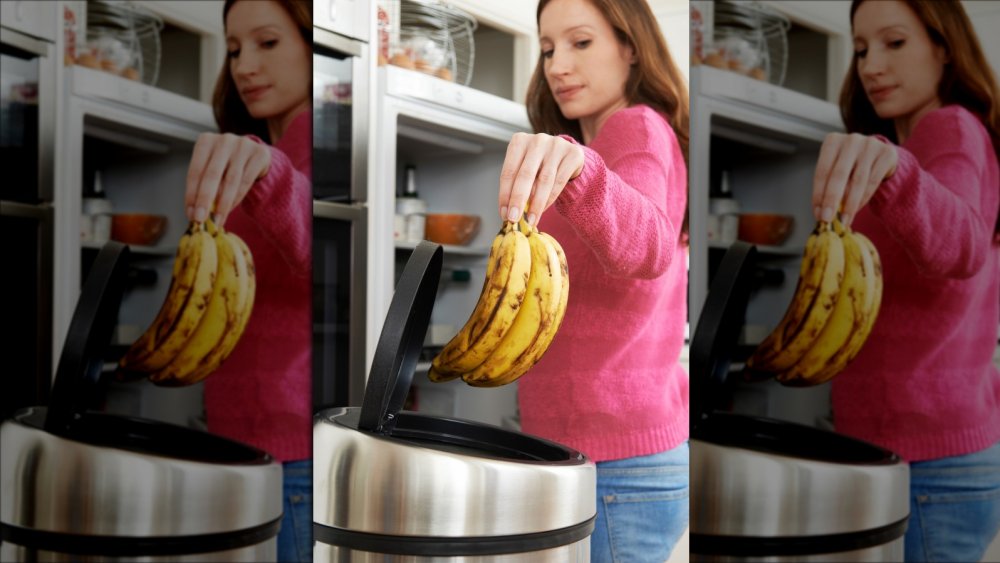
860, 53
547, 54
582, 44
897, 43
269, 44
233, 54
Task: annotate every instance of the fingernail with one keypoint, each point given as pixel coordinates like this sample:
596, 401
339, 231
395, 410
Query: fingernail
217, 219
531, 219
200, 214
827, 214
514, 214
846, 219
190, 212
503, 211
816, 211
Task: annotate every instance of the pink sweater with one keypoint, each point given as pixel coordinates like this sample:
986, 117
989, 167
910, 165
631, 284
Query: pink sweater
261, 394
923, 386
610, 384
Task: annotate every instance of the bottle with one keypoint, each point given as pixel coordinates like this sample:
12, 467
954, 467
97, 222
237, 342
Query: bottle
412, 208
727, 211
95, 223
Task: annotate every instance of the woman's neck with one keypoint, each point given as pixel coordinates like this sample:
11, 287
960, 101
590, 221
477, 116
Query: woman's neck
591, 125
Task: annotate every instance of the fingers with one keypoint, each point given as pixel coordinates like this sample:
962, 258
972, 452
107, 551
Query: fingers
222, 170
232, 181
535, 171
849, 170
858, 184
516, 150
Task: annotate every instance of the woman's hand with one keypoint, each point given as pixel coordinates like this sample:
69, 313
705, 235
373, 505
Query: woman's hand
222, 169
536, 166
849, 170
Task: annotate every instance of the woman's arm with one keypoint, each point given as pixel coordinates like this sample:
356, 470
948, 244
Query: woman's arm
280, 204
620, 209
937, 204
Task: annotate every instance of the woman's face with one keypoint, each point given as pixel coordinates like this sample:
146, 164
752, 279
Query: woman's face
269, 61
899, 66
585, 65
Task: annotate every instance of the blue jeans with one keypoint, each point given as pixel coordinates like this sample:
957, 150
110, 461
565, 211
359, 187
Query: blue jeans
295, 536
642, 507
954, 507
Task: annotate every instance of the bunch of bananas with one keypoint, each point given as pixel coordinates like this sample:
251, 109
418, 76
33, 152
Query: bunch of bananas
207, 307
832, 311
519, 311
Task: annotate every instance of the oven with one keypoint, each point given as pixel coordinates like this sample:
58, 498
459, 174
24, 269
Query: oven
341, 84
27, 139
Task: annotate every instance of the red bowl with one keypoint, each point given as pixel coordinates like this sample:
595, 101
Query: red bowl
770, 229
451, 228
141, 229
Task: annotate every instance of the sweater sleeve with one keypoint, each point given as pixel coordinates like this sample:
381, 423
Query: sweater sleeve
280, 205
934, 204
618, 206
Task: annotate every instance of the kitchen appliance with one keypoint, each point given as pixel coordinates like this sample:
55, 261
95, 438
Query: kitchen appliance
80, 485
342, 71
392, 485
768, 490
27, 135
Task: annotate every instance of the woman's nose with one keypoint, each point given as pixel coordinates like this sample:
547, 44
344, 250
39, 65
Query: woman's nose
873, 64
560, 63
247, 63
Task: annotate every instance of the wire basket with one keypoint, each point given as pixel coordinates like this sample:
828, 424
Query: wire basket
751, 39
435, 38
125, 39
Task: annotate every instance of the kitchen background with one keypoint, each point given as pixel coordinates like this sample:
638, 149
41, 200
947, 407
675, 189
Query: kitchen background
102, 103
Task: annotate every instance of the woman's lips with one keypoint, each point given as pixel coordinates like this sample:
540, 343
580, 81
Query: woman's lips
252, 94
882, 92
567, 93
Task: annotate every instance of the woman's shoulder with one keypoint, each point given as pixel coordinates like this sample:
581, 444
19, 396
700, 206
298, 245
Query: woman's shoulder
642, 124
952, 125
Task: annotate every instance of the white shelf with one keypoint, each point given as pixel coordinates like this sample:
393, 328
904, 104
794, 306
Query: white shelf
449, 249
137, 249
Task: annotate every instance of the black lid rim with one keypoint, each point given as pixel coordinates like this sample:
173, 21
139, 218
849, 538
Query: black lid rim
142, 428
414, 429
783, 438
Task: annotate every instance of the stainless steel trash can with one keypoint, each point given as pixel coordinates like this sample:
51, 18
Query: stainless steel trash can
79, 485
392, 485
769, 490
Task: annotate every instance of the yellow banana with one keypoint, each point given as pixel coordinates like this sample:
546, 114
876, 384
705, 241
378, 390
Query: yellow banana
791, 339
491, 263
195, 268
221, 314
872, 302
526, 361
845, 319
498, 306
529, 335
245, 289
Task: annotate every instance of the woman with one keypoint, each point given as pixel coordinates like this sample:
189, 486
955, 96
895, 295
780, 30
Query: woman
610, 384
255, 178
918, 175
